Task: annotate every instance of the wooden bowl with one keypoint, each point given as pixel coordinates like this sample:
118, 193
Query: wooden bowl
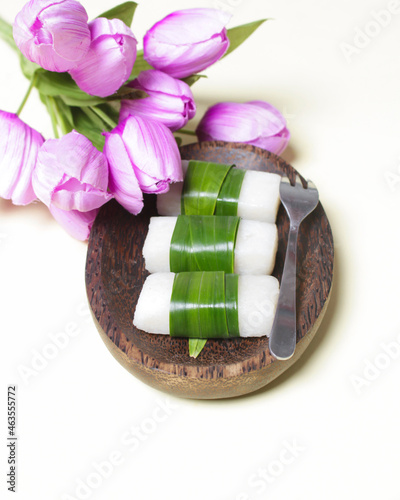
225, 368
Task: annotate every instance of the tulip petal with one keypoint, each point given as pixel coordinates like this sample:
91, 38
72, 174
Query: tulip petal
71, 174
112, 53
76, 223
123, 182
19, 146
170, 101
276, 143
183, 61
143, 156
189, 26
276, 121
231, 122
154, 153
54, 35
74, 195
255, 122
187, 41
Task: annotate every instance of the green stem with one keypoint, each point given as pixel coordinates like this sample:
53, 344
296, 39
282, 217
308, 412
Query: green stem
106, 119
50, 109
186, 131
31, 85
64, 125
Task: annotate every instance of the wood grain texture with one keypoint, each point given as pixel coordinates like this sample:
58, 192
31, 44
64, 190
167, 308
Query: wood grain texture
225, 368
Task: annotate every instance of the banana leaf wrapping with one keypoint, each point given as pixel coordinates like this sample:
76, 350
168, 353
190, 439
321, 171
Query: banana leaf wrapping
204, 305
204, 243
211, 189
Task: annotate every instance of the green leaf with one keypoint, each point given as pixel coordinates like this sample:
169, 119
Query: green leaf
190, 80
95, 121
66, 112
60, 114
49, 103
124, 12
87, 123
6, 33
196, 346
239, 34
111, 109
178, 141
62, 85
140, 65
28, 68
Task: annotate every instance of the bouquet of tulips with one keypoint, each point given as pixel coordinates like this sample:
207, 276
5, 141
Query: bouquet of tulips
117, 112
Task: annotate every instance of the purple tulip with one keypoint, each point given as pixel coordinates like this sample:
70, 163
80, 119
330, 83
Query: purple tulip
71, 175
110, 59
170, 100
19, 146
53, 34
187, 41
143, 156
77, 224
254, 122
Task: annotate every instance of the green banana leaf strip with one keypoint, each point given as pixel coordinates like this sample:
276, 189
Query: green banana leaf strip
183, 314
211, 307
124, 12
203, 243
198, 306
227, 201
231, 304
202, 184
196, 346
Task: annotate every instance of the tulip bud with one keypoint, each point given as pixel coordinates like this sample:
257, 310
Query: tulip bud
143, 156
170, 100
254, 122
187, 41
110, 58
54, 35
19, 146
71, 175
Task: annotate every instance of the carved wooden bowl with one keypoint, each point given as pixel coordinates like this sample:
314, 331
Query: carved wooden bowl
115, 274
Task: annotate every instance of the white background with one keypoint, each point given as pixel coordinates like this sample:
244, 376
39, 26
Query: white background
80, 409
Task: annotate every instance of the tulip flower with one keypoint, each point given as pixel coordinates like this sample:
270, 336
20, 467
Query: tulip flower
77, 224
170, 101
109, 60
71, 175
187, 41
54, 35
254, 122
19, 146
143, 156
